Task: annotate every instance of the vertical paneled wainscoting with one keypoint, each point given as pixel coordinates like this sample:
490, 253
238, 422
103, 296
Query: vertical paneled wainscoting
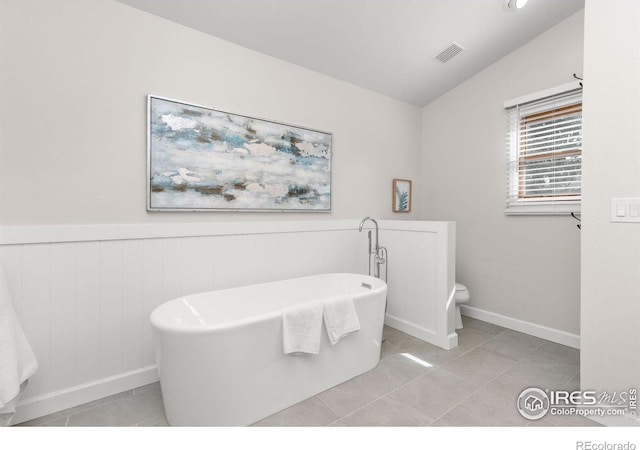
83, 294
421, 284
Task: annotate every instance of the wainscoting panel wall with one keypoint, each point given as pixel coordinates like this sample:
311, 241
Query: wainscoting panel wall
422, 280
83, 294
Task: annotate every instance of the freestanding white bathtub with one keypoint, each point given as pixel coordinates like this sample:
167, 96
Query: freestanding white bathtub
220, 354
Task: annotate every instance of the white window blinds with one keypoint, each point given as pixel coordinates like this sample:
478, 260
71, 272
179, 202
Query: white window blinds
544, 144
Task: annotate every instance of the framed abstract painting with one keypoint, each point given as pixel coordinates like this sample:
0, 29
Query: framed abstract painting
201, 159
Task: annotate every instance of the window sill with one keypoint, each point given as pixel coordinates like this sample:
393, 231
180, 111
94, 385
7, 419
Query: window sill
542, 210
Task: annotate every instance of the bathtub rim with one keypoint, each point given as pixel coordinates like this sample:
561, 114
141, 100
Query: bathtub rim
158, 324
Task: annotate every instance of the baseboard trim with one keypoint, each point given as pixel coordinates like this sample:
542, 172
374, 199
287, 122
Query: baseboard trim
446, 342
541, 331
33, 408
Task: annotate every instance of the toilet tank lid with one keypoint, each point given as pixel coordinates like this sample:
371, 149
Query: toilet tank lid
460, 287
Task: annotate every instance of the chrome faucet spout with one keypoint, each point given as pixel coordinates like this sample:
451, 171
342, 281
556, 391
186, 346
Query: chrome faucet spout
375, 223
362, 223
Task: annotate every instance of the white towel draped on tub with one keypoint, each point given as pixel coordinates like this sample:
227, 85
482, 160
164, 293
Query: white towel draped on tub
302, 328
17, 360
340, 318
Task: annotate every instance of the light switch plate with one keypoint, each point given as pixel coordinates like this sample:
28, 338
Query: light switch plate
625, 209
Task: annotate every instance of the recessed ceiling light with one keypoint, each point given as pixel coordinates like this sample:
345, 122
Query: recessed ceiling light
515, 4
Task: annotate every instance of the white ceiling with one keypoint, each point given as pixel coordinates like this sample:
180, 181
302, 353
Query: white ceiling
386, 46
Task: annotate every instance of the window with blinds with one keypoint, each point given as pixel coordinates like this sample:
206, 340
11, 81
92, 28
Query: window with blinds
545, 153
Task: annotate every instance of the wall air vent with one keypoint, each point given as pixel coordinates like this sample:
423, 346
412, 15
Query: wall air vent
449, 52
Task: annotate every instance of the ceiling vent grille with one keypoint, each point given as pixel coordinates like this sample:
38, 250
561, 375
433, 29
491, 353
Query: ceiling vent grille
449, 52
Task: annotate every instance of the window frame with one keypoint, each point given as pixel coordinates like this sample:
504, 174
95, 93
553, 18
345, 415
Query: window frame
547, 103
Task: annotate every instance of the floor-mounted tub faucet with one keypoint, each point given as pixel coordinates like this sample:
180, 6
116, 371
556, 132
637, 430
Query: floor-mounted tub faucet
379, 253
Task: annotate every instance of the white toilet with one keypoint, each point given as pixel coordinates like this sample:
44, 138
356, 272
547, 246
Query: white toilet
462, 296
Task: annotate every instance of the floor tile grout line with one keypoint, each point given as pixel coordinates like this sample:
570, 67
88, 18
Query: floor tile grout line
556, 355
376, 399
409, 380
112, 400
94, 407
329, 407
480, 387
441, 366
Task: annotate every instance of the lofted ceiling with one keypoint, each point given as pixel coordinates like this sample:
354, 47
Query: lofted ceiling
387, 46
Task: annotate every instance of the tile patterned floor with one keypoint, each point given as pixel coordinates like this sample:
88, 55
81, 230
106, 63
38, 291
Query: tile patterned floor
415, 384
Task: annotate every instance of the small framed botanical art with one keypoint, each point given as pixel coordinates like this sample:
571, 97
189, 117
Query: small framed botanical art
401, 195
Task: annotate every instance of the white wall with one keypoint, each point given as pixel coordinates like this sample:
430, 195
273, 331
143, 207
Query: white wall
610, 357
524, 268
74, 79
